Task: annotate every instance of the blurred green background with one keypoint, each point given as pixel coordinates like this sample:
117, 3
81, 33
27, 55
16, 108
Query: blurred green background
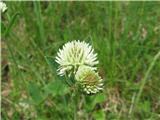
126, 36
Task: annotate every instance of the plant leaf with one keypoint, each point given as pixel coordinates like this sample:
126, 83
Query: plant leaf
56, 87
99, 115
35, 93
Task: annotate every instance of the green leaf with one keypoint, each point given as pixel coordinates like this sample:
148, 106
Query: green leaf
99, 98
56, 87
145, 106
51, 63
93, 100
35, 93
99, 115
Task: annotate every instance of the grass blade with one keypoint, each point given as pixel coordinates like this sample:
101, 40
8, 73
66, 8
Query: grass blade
11, 24
40, 35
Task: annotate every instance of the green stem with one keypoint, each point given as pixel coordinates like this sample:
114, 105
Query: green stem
67, 81
74, 97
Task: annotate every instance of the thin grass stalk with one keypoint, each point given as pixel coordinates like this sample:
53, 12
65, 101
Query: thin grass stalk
144, 80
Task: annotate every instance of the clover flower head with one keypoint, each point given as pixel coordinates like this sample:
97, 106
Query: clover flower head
3, 6
90, 81
74, 54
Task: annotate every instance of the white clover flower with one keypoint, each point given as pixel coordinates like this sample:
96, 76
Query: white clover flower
74, 54
90, 81
3, 7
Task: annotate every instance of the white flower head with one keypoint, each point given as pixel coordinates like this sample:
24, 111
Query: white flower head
90, 81
74, 54
3, 6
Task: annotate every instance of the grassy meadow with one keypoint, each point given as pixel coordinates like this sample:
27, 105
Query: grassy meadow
126, 36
